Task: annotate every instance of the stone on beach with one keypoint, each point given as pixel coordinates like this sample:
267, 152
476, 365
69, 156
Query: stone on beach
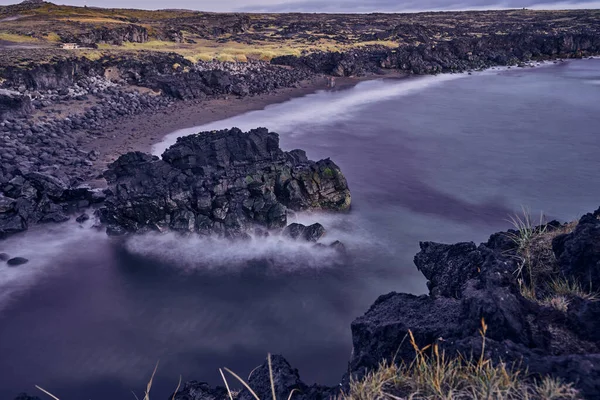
14, 262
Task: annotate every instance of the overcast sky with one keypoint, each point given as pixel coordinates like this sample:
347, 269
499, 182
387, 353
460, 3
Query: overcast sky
331, 5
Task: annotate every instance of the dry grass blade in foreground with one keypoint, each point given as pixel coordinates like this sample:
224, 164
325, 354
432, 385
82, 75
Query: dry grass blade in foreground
149, 385
439, 377
47, 392
538, 272
271, 379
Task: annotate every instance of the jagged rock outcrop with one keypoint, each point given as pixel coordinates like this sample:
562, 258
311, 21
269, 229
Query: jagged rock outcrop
468, 283
64, 73
223, 182
352, 63
38, 198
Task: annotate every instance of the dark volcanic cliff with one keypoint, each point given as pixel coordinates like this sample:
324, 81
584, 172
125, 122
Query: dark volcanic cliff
455, 55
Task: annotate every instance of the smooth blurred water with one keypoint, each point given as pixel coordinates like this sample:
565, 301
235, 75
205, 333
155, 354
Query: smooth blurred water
443, 158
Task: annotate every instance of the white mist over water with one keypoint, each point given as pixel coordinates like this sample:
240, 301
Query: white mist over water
46, 247
284, 255
315, 109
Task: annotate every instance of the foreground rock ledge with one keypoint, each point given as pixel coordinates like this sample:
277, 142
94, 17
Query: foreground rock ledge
224, 182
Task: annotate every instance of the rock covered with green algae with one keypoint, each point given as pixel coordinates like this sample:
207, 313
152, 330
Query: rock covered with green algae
224, 182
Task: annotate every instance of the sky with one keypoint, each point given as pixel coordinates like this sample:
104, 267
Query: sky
331, 5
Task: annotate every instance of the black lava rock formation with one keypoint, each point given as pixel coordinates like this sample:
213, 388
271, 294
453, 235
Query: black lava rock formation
38, 198
468, 283
223, 182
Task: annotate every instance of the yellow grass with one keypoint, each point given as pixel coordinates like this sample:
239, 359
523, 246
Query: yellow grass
9, 37
92, 55
433, 375
207, 50
94, 20
52, 37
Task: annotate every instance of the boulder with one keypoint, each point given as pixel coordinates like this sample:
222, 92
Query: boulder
36, 197
15, 262
310, 233
285, 379
448, 267
223, 182
382, 333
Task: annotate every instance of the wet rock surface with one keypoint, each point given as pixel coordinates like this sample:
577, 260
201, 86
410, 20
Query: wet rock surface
223, 182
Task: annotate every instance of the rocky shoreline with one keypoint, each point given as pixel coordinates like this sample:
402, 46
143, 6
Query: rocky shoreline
544, 323
48, 113
227, 183
467, 284
54, 118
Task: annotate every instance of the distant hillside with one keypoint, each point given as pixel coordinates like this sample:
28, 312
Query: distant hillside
238, 37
